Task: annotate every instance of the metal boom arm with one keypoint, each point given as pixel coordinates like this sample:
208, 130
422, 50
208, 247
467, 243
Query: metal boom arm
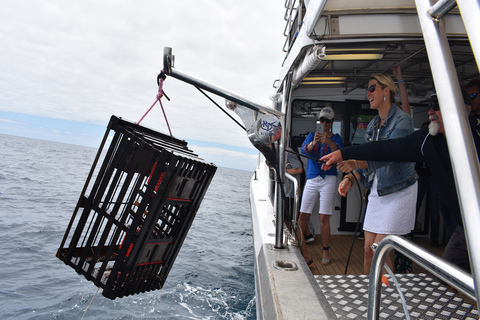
169, 70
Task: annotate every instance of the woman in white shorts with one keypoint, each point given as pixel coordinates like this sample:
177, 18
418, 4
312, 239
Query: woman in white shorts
320, 184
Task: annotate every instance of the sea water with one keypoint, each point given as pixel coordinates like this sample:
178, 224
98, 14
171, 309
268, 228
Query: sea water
40, 183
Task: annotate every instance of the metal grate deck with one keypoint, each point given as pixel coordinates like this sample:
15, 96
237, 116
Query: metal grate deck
426, 298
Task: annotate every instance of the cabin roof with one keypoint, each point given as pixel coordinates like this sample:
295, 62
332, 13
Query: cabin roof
366, 37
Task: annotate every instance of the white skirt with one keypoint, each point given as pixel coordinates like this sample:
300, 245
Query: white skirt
393, 213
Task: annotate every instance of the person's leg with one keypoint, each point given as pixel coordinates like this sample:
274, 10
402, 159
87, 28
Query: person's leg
302, 223
448, 218
325, 232
371, 238
367, 260
456, 250
432, 199
327, 192
422, 188
310, 197
388, 260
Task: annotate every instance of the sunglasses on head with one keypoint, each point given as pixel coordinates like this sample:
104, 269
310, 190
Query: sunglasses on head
474, 95
322, 119
434, 105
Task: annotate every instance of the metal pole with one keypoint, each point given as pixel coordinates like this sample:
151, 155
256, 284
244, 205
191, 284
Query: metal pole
462, 150
441, 8
169, 70
279, 212
470, 10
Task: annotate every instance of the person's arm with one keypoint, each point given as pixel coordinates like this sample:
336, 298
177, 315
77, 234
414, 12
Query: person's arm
347, 183
310, 142
351, 165
295, 170
405, 149
397, 72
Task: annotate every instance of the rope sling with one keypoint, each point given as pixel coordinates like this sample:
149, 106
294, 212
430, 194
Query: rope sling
160, 78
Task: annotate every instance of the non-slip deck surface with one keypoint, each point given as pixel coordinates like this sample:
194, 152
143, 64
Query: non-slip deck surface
425, 298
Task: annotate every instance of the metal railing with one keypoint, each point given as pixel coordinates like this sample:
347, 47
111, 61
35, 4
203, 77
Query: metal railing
439, 267
296, 192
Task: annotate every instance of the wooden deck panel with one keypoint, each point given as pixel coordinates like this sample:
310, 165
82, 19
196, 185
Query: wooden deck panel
339, 250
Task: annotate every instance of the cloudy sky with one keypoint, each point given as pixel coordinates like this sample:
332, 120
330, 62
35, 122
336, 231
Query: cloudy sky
67, 66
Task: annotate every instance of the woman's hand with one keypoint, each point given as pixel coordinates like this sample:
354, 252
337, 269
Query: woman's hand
344, 186
397, 72
347, 165
331, 159
324, 139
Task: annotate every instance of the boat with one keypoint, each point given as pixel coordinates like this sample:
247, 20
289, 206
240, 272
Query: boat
331, 49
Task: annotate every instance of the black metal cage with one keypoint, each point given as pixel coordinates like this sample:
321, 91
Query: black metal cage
130, 222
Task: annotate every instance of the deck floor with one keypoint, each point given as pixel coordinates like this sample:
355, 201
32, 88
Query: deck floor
339, 250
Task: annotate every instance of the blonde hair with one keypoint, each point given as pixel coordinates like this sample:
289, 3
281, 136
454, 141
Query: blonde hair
384, 80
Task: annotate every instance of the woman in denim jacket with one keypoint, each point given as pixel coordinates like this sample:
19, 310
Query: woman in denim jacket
392, 200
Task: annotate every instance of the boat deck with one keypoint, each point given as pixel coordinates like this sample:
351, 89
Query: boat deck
340, 247
347, 295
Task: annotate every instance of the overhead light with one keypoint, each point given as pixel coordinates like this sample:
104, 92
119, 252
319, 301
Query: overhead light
354, 56
322, 82
353, 49
327, 78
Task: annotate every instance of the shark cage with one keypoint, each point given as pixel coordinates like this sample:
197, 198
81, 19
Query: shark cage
135, 210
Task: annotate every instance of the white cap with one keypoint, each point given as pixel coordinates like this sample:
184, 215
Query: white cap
328, 113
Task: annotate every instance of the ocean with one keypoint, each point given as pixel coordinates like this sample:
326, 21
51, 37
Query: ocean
40, 183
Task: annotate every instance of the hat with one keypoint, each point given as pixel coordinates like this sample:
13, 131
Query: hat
432, 98
465, 96
327, 112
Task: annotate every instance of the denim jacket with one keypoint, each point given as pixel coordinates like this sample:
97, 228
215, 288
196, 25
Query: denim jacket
391, 176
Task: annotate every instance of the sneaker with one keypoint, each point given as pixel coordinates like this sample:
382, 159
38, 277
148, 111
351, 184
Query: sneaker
309, 238
361, 236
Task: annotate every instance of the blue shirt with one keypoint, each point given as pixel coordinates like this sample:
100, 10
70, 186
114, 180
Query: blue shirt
314, 168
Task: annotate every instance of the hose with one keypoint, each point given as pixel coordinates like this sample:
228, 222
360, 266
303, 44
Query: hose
358, 221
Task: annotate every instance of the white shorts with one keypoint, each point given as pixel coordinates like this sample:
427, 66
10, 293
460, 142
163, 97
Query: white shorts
319, 188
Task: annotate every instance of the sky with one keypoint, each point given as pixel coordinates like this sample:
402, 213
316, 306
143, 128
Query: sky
67, 66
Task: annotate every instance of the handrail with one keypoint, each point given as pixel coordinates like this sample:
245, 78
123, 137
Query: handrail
287, 31
439, 267
441, 8
463, 153
296, 190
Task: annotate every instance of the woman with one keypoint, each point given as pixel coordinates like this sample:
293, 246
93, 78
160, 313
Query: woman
392, 199
320, 184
